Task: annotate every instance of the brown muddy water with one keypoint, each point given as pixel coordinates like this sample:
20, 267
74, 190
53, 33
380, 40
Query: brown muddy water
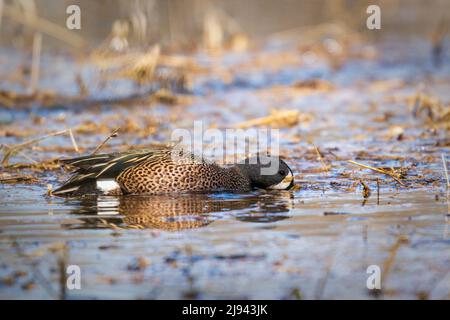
315, 241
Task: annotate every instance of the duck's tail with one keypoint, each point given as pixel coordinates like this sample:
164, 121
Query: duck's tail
95, 174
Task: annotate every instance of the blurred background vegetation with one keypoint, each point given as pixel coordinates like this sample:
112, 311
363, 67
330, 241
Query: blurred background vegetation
175, 23
149, 42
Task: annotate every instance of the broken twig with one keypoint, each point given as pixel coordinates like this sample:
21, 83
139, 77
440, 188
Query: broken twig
112, 135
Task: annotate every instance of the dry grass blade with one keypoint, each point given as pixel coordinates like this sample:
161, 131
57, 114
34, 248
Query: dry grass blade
15, 149
19, 153
382, 171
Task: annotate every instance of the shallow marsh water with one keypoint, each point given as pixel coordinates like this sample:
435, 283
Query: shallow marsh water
313, 242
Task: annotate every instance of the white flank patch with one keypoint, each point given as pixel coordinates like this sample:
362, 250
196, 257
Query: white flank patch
107, 185
286, 182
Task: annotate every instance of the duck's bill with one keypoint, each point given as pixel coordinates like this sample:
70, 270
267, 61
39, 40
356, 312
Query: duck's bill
286, 184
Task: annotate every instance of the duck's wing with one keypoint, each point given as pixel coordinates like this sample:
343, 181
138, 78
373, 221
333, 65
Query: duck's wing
103, 166
86, 162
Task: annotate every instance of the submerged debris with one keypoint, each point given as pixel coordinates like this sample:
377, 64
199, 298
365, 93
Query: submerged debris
138, 264
394, 174
366, 190
313, 85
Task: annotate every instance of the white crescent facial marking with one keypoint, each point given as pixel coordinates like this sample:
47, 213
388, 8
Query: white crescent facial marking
107, 185
284, 184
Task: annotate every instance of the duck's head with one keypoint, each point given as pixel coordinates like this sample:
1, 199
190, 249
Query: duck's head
267, 172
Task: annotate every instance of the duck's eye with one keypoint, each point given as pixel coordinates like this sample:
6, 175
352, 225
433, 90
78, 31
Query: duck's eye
282, 172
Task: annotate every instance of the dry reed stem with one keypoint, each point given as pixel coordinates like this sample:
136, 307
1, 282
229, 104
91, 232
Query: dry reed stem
74, 143
44, 26
35, 62
1, 12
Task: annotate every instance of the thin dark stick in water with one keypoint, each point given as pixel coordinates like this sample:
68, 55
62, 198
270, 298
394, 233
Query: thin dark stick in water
62, 267
378, 191
389, 262
112, 135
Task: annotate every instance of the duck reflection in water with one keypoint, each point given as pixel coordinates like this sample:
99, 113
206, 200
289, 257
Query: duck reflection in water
179, 212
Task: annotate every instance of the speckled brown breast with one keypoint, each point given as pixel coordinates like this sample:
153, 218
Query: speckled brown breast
163, 174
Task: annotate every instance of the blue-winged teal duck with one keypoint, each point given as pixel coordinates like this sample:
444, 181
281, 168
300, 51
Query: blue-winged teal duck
158, 171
